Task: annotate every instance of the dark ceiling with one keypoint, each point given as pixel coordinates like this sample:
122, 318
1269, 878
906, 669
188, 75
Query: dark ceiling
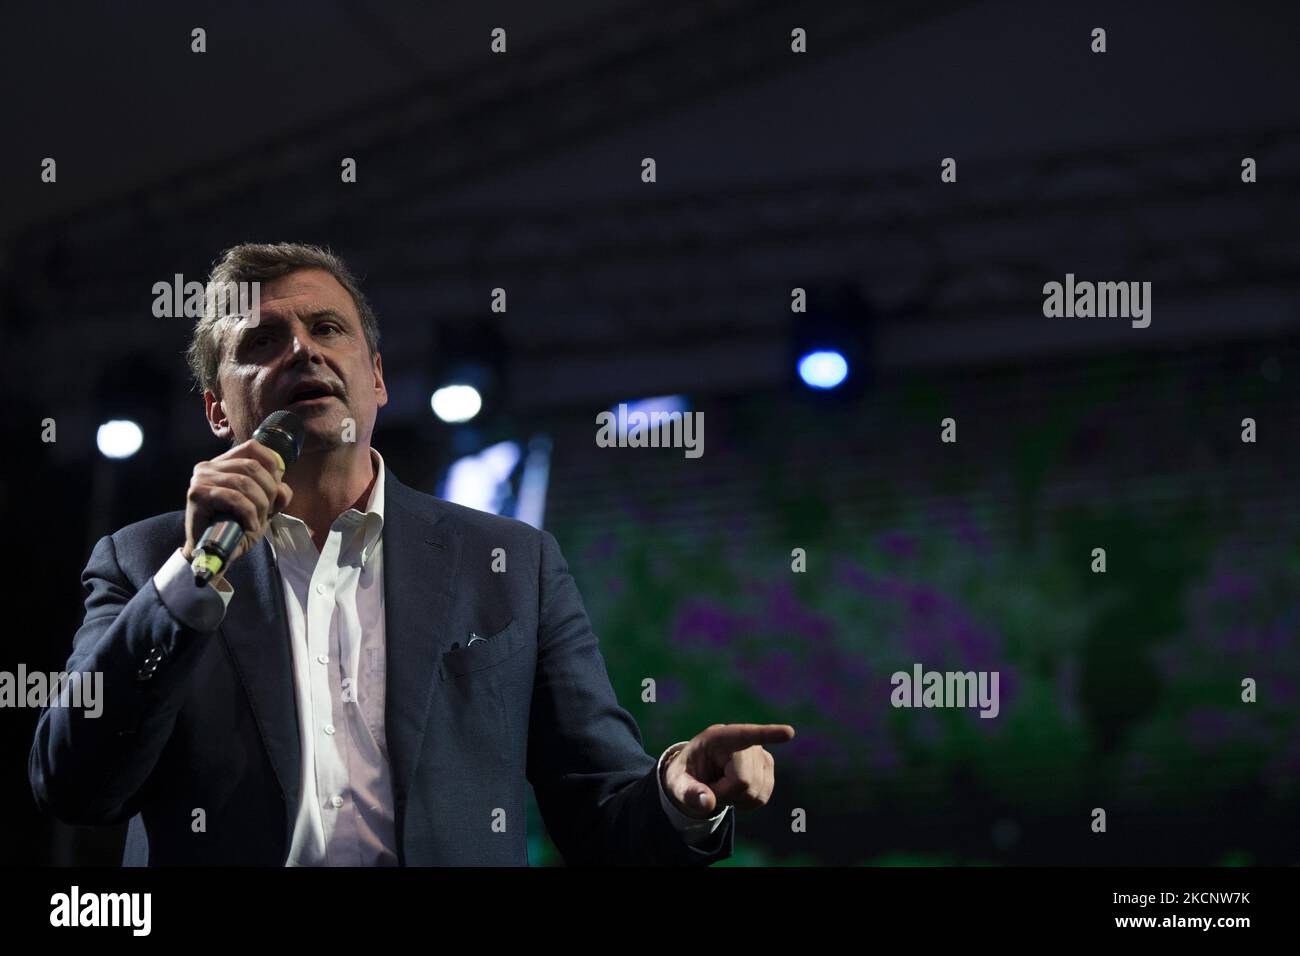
114, 93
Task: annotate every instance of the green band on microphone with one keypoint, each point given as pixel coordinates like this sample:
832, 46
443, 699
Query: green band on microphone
206, 565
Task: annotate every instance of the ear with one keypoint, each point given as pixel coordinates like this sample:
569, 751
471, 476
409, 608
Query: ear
381, 390
216, 412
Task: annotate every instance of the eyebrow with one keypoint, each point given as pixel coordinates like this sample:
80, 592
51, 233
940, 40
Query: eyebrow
274, 319
328, 314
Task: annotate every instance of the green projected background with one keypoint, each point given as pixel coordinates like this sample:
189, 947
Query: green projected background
1120, 690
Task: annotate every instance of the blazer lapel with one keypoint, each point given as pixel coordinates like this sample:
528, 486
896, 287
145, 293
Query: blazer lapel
421, 553
256, 629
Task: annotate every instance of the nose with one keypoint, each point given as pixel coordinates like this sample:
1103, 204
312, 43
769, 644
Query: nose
304, 348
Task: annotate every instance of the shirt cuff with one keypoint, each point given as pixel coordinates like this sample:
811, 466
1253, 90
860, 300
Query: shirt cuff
200, 609
691, 830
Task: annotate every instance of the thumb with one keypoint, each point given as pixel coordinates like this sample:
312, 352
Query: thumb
696, 795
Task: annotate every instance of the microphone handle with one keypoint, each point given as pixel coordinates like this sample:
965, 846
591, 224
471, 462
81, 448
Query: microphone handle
282, 434
215, 548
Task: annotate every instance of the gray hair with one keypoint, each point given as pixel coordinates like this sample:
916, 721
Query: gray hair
260, 262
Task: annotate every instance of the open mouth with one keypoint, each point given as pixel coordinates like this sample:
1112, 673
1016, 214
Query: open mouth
310, 395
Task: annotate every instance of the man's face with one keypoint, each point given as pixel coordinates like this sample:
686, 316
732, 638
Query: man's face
309, 336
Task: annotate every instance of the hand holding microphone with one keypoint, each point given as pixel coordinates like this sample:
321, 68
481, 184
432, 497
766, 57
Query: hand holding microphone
233, 496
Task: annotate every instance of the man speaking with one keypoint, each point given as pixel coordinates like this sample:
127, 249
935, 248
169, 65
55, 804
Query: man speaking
356, 685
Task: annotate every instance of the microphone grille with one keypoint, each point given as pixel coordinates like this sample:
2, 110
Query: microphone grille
283, 432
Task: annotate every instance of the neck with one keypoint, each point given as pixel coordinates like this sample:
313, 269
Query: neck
328, 482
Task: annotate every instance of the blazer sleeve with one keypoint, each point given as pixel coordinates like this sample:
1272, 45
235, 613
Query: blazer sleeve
595, 784
90, 769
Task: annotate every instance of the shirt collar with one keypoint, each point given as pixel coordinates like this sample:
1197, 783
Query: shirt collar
282, 526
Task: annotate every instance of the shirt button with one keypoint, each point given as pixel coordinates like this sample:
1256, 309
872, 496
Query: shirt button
320, 589
336, 801
324, 659
329, 729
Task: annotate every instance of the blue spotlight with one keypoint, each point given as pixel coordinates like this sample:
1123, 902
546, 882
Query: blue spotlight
823, 369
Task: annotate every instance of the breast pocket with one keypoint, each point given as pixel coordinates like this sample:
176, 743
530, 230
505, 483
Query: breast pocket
482, 654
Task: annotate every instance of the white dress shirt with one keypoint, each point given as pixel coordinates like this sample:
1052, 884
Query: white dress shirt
335, 604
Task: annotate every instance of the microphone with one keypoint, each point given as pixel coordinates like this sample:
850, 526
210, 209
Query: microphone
283, 433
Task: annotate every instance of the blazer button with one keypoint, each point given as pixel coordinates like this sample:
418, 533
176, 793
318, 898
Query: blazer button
150, 664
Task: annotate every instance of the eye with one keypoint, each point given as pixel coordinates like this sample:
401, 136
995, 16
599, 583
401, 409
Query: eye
329, 325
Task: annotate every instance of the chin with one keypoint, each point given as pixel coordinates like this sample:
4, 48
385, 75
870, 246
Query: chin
322, 431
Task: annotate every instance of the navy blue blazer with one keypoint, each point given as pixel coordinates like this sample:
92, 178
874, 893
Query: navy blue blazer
213, 722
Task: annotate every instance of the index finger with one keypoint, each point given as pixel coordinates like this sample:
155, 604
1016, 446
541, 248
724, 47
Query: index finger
254, 449
739, 736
